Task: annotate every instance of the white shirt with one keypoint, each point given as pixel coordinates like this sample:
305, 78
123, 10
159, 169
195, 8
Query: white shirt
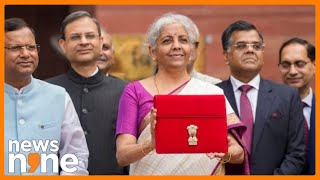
307, 109
70, 143
95, 72
252, 94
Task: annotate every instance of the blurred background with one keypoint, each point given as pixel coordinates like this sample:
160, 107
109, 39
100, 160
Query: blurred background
128, 24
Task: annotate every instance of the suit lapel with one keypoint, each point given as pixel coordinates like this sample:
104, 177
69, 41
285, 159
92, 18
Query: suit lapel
265, 99
228, 91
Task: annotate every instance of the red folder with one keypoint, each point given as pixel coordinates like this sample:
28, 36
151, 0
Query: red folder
190, 124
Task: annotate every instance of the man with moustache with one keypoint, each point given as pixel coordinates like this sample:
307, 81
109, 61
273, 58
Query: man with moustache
36, 110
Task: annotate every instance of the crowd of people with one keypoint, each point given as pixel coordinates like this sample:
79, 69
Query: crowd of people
109, 124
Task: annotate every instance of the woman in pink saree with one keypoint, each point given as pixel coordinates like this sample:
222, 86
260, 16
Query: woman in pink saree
171, 40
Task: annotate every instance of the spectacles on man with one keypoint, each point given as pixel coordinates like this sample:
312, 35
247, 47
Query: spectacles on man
257, 46
78, 37
299, 65
19, 48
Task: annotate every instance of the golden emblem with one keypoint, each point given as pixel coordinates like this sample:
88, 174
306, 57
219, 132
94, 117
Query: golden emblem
192, 131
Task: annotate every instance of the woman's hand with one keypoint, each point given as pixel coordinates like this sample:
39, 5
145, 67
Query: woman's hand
153, 122
128, 151
219, 155
215, 155
235, 153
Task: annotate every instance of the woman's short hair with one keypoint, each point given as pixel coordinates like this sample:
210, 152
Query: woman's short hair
170, 18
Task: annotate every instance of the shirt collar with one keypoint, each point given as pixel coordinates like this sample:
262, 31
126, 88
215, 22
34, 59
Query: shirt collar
308, 98
95, 72
236, 83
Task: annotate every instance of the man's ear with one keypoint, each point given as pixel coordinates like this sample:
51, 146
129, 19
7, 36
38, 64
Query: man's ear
314, 66
225, 57
62, 44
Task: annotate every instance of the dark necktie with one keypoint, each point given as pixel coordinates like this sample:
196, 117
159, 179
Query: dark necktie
305, 128
246, 115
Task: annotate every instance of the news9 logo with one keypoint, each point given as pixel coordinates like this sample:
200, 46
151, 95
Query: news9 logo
35, 158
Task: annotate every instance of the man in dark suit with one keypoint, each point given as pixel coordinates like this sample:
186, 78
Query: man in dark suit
272, 112
95, 95
297, 67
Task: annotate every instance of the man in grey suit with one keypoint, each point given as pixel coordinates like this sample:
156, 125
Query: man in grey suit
272, 112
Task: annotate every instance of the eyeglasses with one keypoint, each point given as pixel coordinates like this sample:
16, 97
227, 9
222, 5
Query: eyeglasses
257, 46
19, 48
78, 37
286, 66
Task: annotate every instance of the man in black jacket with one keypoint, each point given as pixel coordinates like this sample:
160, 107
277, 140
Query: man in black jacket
94, 95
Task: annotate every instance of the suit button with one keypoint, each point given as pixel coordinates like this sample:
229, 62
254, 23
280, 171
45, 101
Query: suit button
85, 90
84, 111
85, 133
